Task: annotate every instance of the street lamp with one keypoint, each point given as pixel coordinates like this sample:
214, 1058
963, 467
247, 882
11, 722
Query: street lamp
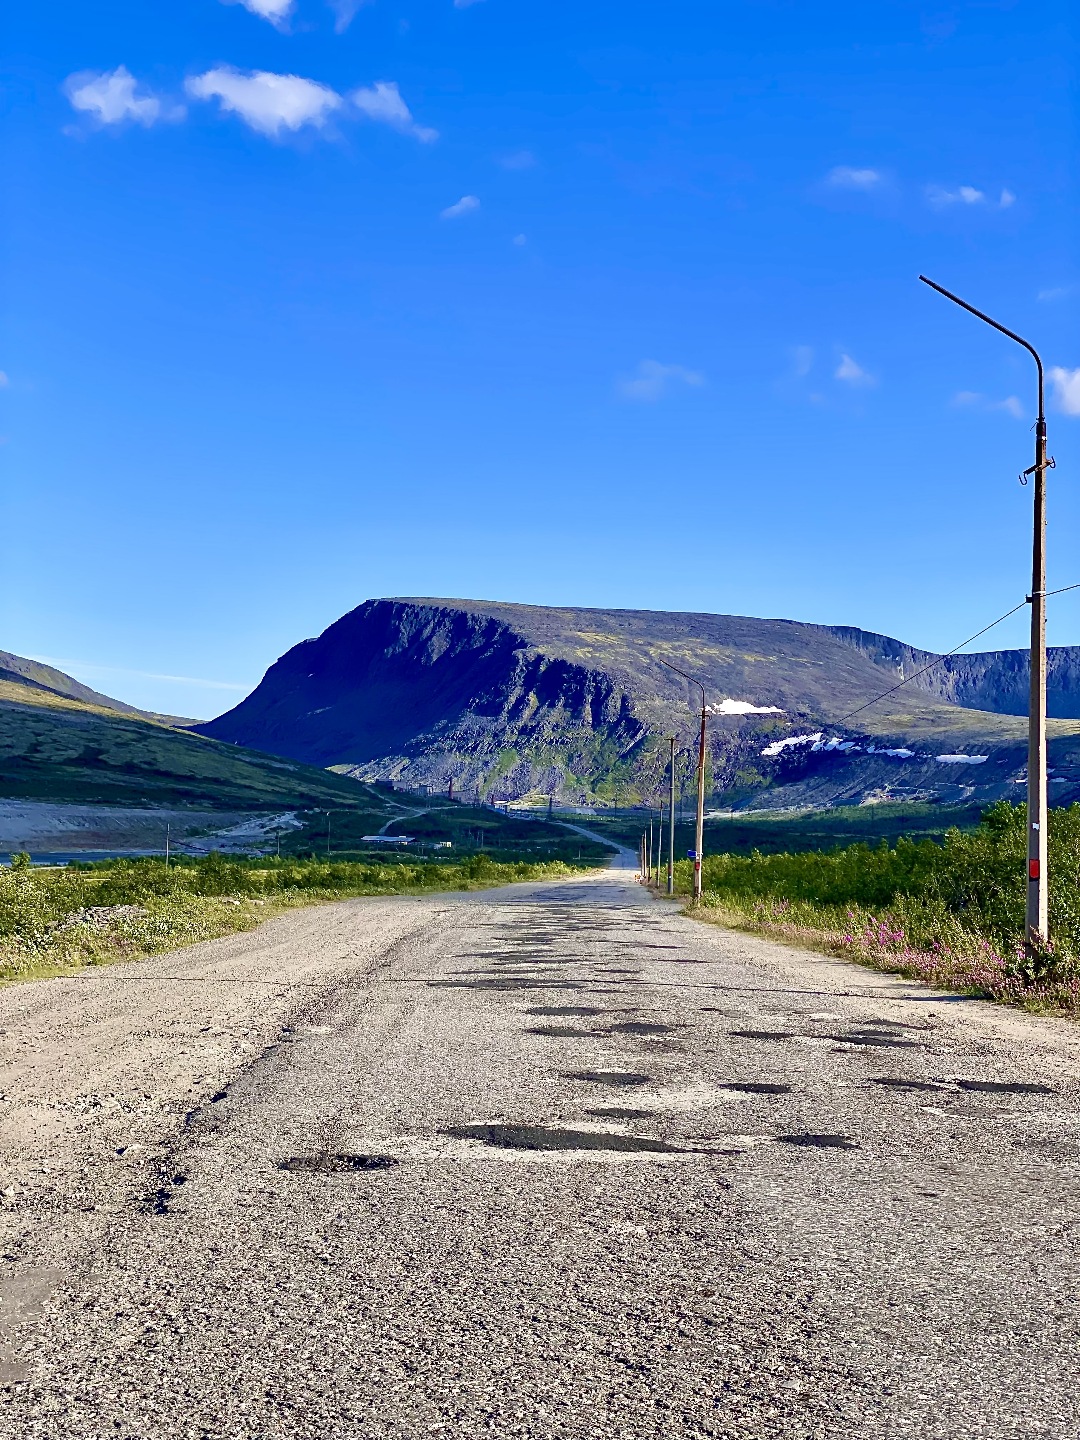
1036, 919
700, 827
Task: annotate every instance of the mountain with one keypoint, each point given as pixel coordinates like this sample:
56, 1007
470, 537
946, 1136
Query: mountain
62, 741
519, 700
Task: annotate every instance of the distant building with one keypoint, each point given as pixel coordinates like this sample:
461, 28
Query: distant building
387, 839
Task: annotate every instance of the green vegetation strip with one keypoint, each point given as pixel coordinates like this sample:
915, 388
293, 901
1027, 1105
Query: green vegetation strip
949, 913
58, 920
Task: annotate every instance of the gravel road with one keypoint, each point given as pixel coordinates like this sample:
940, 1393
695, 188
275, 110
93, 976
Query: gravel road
547, 1161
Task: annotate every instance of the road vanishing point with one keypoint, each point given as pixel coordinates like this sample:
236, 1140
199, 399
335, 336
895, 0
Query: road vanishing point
553, 1160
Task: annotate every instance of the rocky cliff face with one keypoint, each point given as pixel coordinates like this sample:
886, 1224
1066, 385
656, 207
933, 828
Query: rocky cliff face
516, 700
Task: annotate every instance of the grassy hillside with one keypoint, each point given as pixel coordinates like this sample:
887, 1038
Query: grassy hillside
55, 748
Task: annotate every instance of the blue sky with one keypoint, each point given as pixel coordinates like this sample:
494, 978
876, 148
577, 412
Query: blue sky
602, 304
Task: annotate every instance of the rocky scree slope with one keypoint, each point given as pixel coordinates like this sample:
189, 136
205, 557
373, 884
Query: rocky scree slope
517, 700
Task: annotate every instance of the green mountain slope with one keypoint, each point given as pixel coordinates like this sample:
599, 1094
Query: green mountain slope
57, 748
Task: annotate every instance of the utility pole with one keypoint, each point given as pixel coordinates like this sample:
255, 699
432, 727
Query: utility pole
328, 834
659, 844
671, 821
450, 790
699, 830
167, 836
1036, 918
648, 866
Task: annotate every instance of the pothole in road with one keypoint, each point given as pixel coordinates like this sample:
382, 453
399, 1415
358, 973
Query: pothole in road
620, 1112
644, 1027
1006, 1087
876, 1038
762, 1035
335, 1164
755, 1087
562, 1032
819, 1142
609, 1077
543, 1137
565, 1010
504, 984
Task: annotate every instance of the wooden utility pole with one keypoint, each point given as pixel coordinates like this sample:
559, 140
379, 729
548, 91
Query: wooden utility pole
1037, 926
671, 821
699, 829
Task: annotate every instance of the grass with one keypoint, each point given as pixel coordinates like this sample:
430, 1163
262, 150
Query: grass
53, 921
772, 833
949, 913
53, 748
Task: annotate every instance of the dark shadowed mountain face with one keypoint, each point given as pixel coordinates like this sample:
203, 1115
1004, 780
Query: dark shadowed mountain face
518, 699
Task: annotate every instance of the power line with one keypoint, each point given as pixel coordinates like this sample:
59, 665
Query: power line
908, 679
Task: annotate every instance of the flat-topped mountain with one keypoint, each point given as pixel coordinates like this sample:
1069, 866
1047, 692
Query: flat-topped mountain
516, 700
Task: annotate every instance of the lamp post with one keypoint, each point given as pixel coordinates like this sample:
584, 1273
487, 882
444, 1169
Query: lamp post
1036, 920
700, 826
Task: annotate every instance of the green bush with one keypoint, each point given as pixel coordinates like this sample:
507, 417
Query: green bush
975, 880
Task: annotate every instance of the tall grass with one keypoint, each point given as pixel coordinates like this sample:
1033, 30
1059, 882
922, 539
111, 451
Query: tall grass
951, 913
53, 919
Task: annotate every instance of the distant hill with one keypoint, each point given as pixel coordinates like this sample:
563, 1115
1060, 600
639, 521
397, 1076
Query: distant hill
60, 740
18, 670
519, 700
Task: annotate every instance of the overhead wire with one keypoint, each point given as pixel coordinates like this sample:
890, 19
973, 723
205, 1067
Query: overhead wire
909, 678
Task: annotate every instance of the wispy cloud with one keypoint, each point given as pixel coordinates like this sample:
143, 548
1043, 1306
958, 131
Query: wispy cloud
1066, 387
519, 239
276, 11
267, 102
941, 198
518, 160
89, 668
345, 13
651, 380
464, 4
4, 381
972, 399
112, 97
802, 360
853, 373
1057, 292
382, 102
852, 177
460, 207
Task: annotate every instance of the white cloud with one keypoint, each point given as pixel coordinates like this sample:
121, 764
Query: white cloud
110, 97
519, 239
464, 4
268, 103
345, 11
1066, 387
1006, 199
1012, 404
940, 198
852, 373
276, 11
460, 207
382, 102
848, 177
651, 380
518, 160
4, 381
802, 357
1056, 292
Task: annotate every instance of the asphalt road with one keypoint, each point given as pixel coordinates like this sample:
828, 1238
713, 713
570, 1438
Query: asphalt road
549, 1162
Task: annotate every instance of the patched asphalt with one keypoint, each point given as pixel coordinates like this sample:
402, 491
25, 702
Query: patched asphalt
506, 1165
